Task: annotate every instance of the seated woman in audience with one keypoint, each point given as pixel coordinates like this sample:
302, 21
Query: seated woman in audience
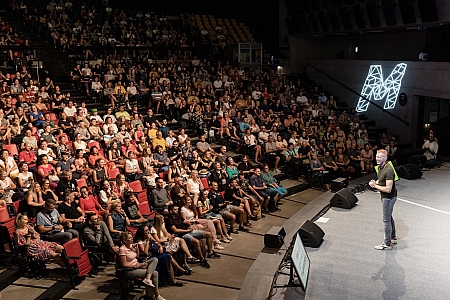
109, 123
252, 145
25, 178
7, 187
232, 169
99, 173
47, 192
147, 160
343, 162
79, 144
88, 203
182, 136
318, 170
37, 248
367, 158
8, 164
174, 171
117, 219
171, 243
128, 254
152, 131
34, 199
208, 160
44, 149
132, 169
166, 263
81, 166
194, 185
106, 195
189, 213
150, 177
115, 156
392, 152
121, 186
205, 211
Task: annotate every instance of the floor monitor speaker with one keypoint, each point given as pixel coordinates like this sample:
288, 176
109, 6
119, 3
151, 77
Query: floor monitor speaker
409, 171
311, 234
338, 184
344, 199
274, 238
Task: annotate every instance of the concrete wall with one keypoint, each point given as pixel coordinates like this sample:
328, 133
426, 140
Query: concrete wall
421, 79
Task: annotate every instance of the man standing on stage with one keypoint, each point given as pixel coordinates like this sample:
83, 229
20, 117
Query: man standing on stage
386, 185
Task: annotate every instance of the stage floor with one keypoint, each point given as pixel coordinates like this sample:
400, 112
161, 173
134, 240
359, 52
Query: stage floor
346, 266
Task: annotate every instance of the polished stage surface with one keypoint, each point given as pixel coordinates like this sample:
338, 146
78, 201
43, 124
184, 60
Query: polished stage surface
346, 266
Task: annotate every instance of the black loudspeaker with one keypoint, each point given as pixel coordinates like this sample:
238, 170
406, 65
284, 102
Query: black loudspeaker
407, 10
339, 184
359, 16
428, 11
344, 199
311, 234
409, 171
372, 11
274, 238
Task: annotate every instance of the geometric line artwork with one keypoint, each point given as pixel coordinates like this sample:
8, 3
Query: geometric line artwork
375, 88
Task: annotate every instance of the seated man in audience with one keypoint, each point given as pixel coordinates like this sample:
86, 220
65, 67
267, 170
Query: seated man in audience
28, 156
161, 159
263, 190
271, 182
236, 195
255, 199
159, 141
225, 209
176, 225
73, 216
203, 146
97, 234
223, 155
66, 183
50, 224
131, 209
355, 159
161, 196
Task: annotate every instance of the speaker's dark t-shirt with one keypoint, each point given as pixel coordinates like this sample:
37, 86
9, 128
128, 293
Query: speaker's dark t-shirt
387, 173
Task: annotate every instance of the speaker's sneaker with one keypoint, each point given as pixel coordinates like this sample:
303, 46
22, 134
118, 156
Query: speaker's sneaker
383, 247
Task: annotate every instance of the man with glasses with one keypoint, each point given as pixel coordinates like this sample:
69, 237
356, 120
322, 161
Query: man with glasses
97, 234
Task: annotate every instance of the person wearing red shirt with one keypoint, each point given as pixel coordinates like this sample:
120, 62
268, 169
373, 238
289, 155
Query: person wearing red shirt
88, 203
27, 155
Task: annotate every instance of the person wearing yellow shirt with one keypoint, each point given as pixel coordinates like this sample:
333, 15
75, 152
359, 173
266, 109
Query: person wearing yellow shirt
123, 112
159, 141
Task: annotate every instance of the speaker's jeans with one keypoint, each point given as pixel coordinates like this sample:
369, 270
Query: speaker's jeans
389, 224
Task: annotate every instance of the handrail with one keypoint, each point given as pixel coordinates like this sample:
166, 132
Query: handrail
355, 92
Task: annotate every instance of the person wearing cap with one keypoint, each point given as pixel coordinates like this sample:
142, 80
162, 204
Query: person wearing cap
95, 116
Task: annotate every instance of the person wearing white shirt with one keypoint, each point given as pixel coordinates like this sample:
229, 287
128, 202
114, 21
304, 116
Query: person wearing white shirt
301, 98
430, 147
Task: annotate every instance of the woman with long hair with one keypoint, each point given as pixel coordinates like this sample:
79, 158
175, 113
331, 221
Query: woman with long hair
205, 211
36, 247
189, 213
128, 254
106, 195
25, 177
166, 263
194, 185
34, 199
121, 185
115, 156
117, 219
171, 243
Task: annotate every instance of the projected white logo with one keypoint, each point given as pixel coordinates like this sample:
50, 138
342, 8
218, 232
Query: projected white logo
375, 88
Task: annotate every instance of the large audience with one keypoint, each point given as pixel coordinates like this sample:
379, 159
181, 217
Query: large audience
89, 173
